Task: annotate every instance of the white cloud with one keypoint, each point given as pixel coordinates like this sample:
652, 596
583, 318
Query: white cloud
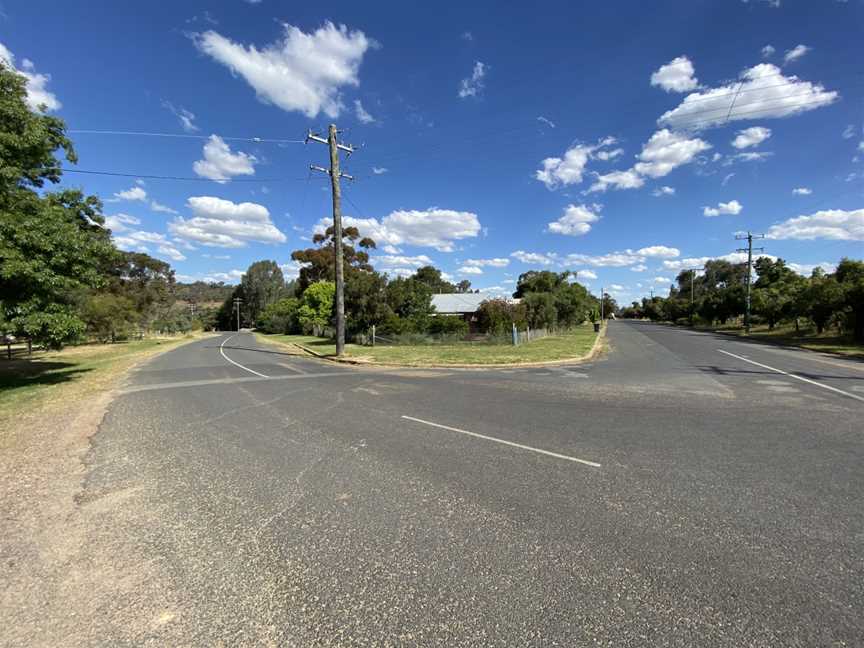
795, 53
832, 224
401, 261
362, 116
221, 164
752, 136
567, 170
615, 288
467, 36
617, 180
38, 95
586, 274
391, 249
639, 268
768, 51
807, 269
609, 155
662, 280
535, 258
575, 221
666, 151
302, 72
185, 117
726, 179
171, 252
120, 222
802, 191
291, 270
138, 240
470, 270
434, 227
612, 260
848, 132
676, 76
698, 262
162, 209
405, 272
548, 122
221, 223
379, 170
491, 263
663, 191
131, 194
473, 85
659, 252
732, 207
763, 92
749, 156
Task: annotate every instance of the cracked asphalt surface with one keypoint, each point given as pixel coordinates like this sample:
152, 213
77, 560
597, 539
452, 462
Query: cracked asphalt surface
301, 509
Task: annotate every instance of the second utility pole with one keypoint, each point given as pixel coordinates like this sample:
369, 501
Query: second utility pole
749, 250
337, 240
334, 146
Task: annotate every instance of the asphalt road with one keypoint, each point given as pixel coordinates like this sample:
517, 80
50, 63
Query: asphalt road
681, 491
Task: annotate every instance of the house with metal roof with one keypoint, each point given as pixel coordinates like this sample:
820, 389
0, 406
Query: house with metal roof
464, 305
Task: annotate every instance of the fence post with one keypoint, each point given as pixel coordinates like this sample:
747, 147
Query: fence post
515, 335
29, 346
9, 349
373, 335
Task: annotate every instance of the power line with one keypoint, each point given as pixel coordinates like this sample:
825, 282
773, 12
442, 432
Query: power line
184, 136
185, 178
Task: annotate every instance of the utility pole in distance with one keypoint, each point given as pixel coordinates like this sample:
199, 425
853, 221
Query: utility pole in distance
602, 295
692, 282
749, 250
335, 175
237, 301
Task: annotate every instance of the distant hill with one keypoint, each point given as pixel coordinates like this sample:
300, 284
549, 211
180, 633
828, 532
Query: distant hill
201, 292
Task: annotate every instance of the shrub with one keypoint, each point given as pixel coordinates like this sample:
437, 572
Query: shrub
447, 325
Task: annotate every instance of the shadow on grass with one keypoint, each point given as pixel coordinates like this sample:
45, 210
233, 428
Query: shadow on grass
20, 374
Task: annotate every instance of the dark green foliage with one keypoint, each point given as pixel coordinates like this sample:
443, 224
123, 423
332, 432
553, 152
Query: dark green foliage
262, 284
280, 317
447, 325
431, 277
497, 316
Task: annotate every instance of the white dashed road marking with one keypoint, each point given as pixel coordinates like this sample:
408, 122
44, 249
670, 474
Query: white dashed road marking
796, 377
509, 443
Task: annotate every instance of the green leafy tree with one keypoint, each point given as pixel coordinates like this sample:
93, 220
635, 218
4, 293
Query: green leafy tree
365, 302
281, 316
109, 317
319, 263
431, 277
822, 298
540, 310
540, 281
497, 316
850, 277
263, 284
411, 300
53, 245
316, 306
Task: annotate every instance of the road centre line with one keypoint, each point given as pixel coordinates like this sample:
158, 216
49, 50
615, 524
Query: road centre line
222, 351
791, 375
509, 443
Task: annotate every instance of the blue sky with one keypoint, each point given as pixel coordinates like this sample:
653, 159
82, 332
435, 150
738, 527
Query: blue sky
621, 140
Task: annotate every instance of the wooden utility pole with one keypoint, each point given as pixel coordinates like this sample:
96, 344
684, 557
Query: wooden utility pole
335, 175
749, 250
237, 301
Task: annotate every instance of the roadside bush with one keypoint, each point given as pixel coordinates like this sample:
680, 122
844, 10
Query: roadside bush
281, 317
448, 325
540, 308
497, 316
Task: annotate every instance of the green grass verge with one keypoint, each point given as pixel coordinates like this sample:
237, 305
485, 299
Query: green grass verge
563, 346
27, 383
806, 339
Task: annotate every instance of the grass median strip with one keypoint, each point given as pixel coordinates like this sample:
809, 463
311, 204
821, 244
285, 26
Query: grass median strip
566, 345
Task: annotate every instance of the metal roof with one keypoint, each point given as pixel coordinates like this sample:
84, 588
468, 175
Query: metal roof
458, 302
